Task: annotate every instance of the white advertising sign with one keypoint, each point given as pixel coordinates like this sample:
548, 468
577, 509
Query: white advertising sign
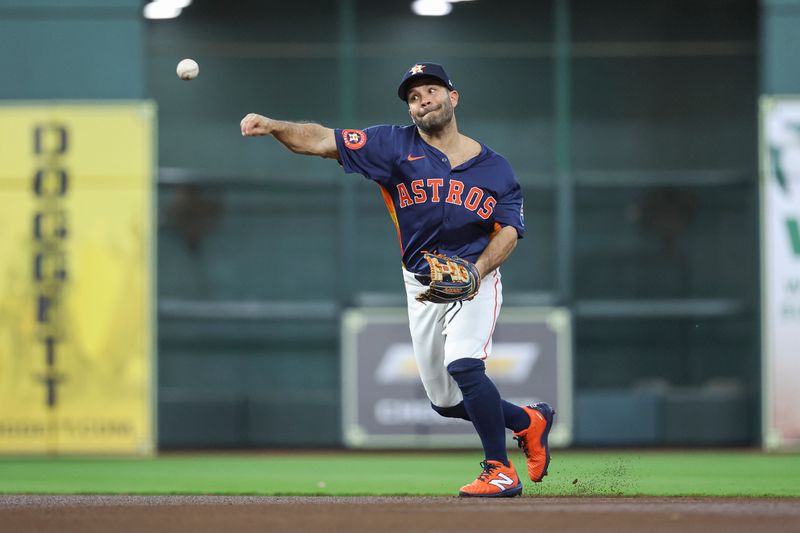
385, 404
780, 258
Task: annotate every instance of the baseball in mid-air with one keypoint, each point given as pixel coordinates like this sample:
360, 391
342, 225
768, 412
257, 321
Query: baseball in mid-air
188, 69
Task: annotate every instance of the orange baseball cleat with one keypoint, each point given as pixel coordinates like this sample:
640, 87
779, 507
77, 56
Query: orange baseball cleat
533, 439
496, 481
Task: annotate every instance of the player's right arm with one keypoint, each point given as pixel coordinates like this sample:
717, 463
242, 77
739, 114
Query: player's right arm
300, 138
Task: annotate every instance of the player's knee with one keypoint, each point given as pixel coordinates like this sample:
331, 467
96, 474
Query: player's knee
455, 411
466, 371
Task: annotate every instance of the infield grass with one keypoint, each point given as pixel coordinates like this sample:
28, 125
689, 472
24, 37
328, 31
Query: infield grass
572, 473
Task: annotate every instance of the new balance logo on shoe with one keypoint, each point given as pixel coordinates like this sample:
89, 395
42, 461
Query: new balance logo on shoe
502, 481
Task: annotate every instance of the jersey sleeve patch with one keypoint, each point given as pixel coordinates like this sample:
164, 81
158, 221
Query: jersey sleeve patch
354, 139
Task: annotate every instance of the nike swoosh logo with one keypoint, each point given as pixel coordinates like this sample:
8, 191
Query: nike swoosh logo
415, 157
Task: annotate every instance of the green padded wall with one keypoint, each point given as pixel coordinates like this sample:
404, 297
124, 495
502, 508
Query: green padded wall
662, 115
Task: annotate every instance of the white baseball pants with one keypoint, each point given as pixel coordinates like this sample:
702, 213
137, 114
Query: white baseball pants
442, 333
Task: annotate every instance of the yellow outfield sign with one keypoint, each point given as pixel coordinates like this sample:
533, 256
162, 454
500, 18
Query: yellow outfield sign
76, 278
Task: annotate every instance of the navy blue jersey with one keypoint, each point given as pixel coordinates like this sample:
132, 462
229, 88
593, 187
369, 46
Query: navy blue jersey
436, 208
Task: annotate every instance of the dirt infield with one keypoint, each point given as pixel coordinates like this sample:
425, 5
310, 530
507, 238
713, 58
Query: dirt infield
232, 514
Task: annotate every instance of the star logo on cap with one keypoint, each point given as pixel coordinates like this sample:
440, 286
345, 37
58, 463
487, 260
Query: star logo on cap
417, 69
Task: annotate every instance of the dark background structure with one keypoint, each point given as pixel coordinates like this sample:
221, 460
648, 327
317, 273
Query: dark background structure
633, 129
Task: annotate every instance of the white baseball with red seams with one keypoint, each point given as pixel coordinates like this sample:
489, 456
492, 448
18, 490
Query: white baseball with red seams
443, 333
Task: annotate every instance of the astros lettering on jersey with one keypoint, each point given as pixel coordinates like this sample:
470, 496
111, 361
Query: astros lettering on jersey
454, 211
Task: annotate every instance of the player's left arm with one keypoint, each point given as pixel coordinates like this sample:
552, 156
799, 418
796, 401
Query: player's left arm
498, 250
509, 223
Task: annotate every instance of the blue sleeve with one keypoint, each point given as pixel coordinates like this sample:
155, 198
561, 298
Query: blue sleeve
369, 152
509, 210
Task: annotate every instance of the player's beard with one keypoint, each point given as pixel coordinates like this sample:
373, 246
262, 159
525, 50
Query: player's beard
436, 120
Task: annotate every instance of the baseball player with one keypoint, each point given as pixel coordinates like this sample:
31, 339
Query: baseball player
457, 207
